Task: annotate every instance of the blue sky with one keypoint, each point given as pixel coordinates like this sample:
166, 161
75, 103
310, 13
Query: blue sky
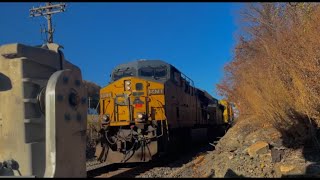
197, 38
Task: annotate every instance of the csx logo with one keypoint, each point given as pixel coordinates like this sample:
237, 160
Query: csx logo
155, 91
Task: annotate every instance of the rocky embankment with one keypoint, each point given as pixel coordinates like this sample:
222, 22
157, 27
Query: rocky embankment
253, 150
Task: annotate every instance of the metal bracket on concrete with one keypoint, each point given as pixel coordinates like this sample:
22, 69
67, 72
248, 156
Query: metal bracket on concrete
66, 112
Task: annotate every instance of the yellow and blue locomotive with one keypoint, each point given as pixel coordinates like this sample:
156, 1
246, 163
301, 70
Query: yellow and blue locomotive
150, 107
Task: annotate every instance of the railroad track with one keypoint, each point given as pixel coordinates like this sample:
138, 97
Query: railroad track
111, 170
94, 164
132, 170
97, 169
123, 170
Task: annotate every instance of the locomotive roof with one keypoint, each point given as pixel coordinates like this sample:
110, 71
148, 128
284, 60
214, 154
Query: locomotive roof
142, 63
205, 94
156, 63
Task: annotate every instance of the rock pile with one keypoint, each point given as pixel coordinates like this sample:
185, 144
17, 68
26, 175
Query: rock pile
251, 149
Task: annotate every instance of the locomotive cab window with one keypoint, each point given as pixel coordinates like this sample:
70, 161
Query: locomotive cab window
146, 71
160, 72
176, 76
153, 72
120, 73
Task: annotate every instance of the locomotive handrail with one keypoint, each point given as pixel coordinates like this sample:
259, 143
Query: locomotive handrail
126, 102
187, 79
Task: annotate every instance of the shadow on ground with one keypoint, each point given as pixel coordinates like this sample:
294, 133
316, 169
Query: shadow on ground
304, 135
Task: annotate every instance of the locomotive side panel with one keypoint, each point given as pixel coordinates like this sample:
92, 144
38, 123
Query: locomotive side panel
180, 100
180, 106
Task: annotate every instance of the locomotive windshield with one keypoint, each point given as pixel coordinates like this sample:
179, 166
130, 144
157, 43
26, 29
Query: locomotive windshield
120, 73
146, 71
155, 72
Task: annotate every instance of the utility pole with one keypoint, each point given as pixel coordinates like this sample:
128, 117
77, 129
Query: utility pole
47, 11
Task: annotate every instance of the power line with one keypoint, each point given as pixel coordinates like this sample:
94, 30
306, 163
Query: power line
47, 11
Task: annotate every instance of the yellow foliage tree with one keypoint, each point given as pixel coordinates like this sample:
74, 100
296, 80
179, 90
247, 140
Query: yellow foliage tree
275, 73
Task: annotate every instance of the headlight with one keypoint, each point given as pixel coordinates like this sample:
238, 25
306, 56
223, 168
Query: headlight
127, 82
140, 116
105, 117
